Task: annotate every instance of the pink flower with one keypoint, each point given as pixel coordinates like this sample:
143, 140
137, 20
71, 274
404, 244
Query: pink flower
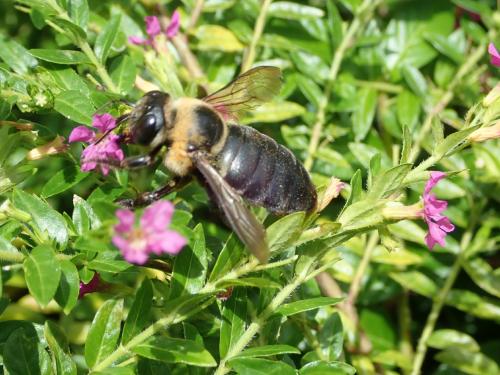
153, 28
104, 150
439, 225
495, 56
91, 287
152, 236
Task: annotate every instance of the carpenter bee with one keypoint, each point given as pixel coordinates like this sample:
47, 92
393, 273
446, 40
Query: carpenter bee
233, 162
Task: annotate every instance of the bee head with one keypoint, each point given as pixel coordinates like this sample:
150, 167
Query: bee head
148, 117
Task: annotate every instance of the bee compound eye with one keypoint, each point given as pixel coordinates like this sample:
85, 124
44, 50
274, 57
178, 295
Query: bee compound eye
149, 121
191, 148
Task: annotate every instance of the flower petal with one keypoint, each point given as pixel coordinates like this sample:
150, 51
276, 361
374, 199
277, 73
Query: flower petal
90, 287
495, 56
126, 218
103, 122
157, 216
435, 177
174, 25
167, 241
129, 253
137, 40
81, 134
153, 26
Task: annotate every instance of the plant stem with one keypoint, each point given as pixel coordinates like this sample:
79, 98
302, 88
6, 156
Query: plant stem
259, 27
258, 323
434, 315
100, 68
445, 99
364, 12
9, 256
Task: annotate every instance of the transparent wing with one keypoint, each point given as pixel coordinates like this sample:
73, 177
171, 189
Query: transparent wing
247, 91
241, 220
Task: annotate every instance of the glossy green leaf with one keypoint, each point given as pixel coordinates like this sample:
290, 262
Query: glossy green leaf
69, 286
104, 332
250, 281
63, 180
67, 79
446, 47
25, 355
274, 112
327, 368
474, 304
172, 350
408, 109
215, 37
416, 282
79, 12
233, 322
73, 105
123, 71
389, 181
139, 313
415, 80
106, 38
258, 366
469, 362
284, 231
45, 217
446, 338
230, 255
63, 362
306, 305
364, 114
293, 11
267, 351
16, 56
483, 275
331, 337
57, 56
190, 266
108, 265
42, 271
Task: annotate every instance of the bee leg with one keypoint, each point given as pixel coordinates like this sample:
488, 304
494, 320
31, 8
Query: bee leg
140, 161
149, 197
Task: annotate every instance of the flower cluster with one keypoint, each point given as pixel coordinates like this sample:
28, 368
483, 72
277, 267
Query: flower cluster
495, 56
106, 149
136, 243
90, 287
153, 29
439, 225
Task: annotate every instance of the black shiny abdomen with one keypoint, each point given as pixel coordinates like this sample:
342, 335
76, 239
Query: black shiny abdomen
264, 172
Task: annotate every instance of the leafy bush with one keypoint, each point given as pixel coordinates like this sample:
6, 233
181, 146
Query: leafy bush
377, 93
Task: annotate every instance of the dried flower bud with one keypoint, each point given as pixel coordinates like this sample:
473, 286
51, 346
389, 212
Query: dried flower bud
56, 146
485, 133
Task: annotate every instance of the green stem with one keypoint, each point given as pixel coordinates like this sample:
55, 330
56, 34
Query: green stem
364, 13
259, 27
434, 315
9, 256
445, 99
100, 68
258, 323
404, 317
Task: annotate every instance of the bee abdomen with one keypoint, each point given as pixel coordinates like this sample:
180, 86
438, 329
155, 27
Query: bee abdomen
264, 172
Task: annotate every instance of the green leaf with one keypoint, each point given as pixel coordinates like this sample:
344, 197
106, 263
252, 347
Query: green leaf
416, 282
233, 320
16, 56
469, 362
327, 368
267, 350
452, 141
215, 37
258, 366
331, 337
139, 313
84, 217
257, 282
190, 267
172, 350
446, 47
78, 10
42, 272
408, 109
59, 56
415, 80
104, 332
45, 217
284, 231
106, 38
274, 112
67, 79
64, 363
123, 71
230, 255
69, 286
388, 182
306, 305
63, 180
109, 265
483, 275
334, 23
407, 141
293, 11
364, 114
74, 106
445, 338
25, 355
474, 304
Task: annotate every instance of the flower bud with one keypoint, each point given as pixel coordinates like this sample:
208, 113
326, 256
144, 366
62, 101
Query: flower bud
492, 96
56, 146
485, 133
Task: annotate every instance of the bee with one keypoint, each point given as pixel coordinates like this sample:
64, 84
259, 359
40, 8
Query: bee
235, 163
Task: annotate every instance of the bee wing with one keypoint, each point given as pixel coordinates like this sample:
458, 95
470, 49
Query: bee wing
241, 220
247, 91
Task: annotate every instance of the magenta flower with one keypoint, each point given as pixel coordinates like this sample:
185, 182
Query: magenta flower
495, 56
105, 150
439, 225
153, 28
91, 287
152, 236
